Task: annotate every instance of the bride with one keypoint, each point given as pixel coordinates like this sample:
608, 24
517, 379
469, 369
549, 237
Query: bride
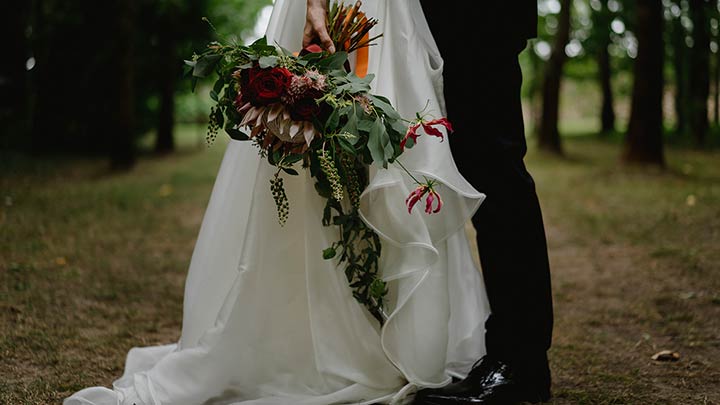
268, 321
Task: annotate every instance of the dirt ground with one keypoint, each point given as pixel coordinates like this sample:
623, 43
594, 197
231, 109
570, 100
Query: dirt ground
92, 265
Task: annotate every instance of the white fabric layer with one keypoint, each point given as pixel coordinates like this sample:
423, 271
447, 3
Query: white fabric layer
268, 321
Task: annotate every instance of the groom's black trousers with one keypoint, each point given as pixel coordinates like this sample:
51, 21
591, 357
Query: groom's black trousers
482, 80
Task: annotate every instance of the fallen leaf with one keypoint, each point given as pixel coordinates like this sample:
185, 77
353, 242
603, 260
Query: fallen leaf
165, 190
666, 355
60, 261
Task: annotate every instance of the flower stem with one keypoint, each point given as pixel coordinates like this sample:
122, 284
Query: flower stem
408, 172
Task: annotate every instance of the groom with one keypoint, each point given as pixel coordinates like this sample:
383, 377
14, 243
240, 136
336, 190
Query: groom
483, 104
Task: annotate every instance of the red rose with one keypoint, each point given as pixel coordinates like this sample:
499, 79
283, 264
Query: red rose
265, 86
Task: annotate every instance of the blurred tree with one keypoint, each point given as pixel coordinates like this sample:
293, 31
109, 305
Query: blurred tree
121, 118
678, 46
599, 43
699, 88
548, 133
13, 75
69, 80
87, 55
715, 49
169, 30
172, 31
235, 19
643, 142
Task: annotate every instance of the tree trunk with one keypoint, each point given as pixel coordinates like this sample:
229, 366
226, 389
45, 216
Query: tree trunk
165, 142
700, 68
120, 125
602, 19
716, 91
534, 89
644, 143
13, 75
548, 133
607, 116
680, 55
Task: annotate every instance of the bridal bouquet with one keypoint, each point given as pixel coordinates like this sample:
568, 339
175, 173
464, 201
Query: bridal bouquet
308, 109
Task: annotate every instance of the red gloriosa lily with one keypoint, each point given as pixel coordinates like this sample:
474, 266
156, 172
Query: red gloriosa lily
433, 198
429, 127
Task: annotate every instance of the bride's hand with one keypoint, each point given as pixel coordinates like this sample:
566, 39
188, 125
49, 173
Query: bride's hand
316, 26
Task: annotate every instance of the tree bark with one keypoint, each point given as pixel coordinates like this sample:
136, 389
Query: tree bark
602, 19
700, 68
13, 74
643, 143
548, 133
607, 116
534, 90
716, 91
680, 53
121, 117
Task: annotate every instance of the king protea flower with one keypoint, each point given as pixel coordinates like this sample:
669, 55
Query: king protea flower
433, 202
429, 127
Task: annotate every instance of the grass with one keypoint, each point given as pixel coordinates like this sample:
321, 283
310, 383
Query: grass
635, 271
92, 264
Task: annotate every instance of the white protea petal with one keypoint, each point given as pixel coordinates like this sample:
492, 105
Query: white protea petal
295, 128
249, 116
285, 127
286, 114
254, 114
257, 130
244, 108
309, 132
259, 118
275, 111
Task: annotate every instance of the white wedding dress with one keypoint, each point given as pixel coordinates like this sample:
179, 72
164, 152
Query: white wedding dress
268, 321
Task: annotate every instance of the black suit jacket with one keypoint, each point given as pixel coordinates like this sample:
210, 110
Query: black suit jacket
495, 20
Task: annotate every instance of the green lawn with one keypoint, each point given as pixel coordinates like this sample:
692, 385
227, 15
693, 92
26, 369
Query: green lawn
93, 263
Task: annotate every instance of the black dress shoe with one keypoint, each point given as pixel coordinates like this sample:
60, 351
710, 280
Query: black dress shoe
491, 382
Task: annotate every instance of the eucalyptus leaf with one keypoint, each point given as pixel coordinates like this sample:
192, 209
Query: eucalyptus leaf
353, 84
384, 104
334, 61
329, 253
268, 61
400, 127
219, 84
351, 127
205, 65
219, 117
247, 65
387, 145
291, 159
333, 121
375, 143
346, 145
365, 125
236, 134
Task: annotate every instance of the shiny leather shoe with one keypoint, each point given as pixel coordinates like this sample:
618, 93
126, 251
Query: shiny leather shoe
491, 382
